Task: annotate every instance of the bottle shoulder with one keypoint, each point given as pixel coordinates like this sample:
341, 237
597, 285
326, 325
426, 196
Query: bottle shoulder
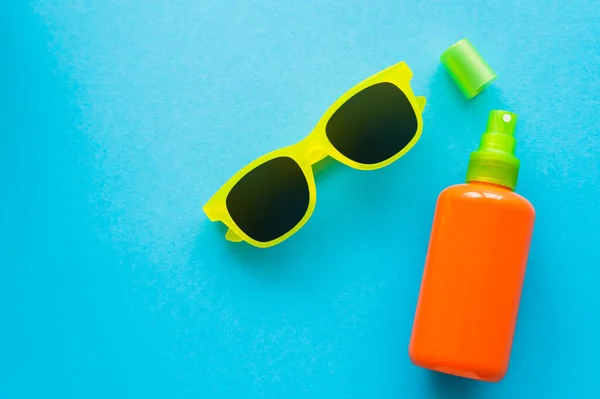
474, 192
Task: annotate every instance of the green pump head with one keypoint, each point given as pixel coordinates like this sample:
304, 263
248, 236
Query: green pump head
494, 161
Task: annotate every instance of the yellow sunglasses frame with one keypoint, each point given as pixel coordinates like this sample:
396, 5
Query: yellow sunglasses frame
311, 150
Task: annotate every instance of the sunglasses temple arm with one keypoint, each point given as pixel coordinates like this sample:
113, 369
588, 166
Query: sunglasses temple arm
421, 100
231, 236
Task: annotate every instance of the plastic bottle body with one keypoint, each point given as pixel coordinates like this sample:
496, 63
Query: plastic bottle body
471, 286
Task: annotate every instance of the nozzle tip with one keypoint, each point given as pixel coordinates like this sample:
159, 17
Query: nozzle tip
502, 122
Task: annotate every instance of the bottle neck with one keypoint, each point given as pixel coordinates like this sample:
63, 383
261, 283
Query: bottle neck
494, 167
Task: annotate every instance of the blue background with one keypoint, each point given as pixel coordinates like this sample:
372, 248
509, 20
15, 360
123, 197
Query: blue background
119, 119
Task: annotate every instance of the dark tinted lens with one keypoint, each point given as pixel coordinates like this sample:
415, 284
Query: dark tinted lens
270, 200
373, 125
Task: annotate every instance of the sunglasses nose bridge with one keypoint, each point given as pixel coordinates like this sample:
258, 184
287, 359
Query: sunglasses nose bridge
311, 150
316, 155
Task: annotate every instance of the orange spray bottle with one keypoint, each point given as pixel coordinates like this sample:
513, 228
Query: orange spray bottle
471, 285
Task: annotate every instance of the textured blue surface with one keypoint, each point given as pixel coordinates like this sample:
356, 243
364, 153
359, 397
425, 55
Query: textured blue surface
118, 119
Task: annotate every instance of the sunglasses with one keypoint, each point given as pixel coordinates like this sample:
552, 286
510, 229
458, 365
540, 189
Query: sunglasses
369, 127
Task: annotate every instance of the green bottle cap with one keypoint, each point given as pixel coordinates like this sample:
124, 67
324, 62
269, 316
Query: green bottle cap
467, 68
494, 161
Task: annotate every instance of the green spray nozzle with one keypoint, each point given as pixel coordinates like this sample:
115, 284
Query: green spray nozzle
494, 161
